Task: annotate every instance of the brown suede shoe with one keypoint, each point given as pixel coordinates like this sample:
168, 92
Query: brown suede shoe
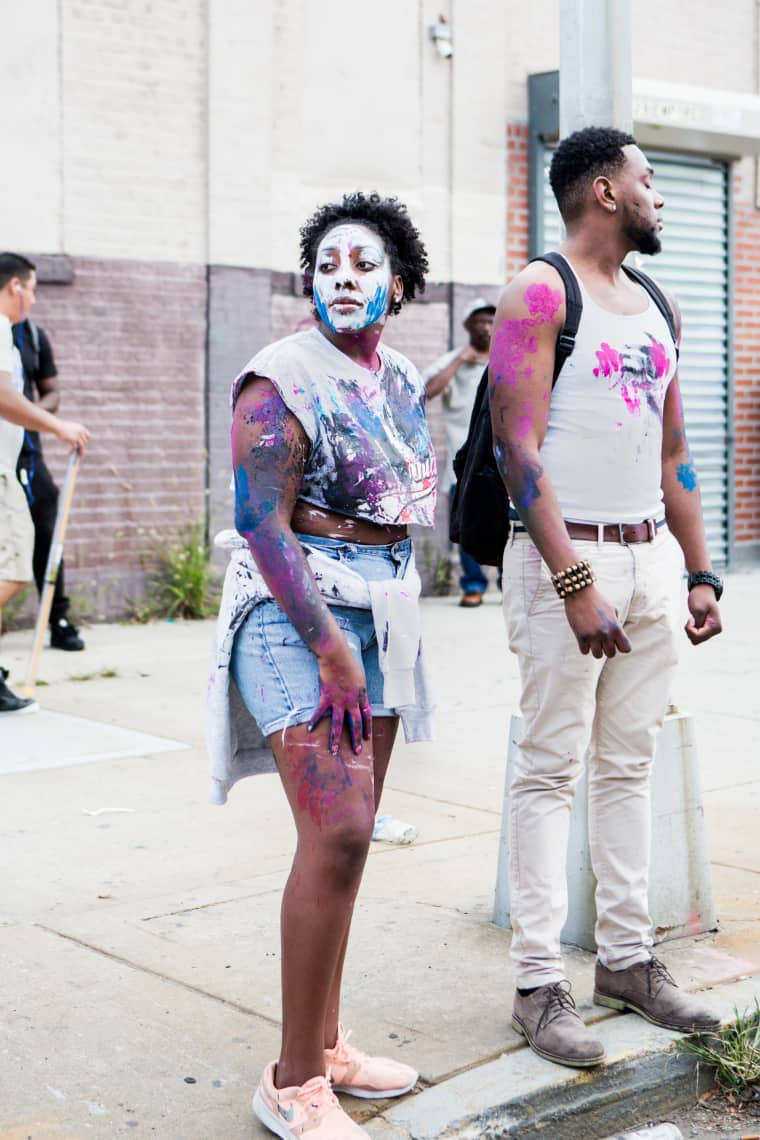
648, 989
469, 601
549, 1021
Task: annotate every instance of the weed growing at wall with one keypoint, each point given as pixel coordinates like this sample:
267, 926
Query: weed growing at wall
183, 583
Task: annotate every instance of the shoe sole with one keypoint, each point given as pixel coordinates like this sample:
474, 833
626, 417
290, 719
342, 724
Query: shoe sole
622, 1006
269, 1119
586, 1064
374, 1094
32, 708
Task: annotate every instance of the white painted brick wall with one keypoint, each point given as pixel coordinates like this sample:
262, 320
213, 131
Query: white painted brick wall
30, 174
197, 130
134, 90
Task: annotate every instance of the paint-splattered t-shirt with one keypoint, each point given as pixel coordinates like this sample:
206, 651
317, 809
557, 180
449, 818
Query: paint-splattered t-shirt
371, 455
603, 444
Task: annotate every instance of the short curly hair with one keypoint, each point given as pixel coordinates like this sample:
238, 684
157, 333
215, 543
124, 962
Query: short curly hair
389, 220
579, 159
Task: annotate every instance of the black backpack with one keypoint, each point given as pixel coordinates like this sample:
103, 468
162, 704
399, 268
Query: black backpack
480, 509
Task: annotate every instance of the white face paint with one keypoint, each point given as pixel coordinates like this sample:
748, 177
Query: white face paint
352, 278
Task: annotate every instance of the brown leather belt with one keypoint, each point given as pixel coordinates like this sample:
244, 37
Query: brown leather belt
625, 533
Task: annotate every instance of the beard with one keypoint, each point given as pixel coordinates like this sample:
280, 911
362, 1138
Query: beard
643, 239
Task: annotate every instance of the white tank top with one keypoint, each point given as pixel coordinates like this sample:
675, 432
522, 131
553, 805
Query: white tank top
603, 445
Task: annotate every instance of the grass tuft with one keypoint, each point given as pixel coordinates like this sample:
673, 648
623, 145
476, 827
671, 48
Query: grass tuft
184, 583
733, 1053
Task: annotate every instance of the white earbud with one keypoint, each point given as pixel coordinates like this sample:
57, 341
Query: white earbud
17, 288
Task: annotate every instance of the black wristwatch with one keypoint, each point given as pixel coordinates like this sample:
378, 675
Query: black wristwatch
706, 578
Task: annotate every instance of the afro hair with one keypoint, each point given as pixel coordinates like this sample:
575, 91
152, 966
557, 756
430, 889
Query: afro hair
389, 220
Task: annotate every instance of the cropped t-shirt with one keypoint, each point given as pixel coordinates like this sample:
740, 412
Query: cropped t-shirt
371, 455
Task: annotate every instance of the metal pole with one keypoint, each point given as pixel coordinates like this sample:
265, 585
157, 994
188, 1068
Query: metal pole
595, 75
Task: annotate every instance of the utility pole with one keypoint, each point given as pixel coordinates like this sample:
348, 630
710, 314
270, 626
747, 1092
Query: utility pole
595, 75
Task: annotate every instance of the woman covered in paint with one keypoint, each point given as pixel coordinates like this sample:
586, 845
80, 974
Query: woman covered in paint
333, 461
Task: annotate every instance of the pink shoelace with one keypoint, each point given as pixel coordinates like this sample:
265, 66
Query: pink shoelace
317, 1093
342, 1053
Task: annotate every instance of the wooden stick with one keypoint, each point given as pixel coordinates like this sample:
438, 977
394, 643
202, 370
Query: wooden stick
51, 573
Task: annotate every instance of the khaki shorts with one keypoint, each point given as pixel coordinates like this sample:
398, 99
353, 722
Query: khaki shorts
16, 532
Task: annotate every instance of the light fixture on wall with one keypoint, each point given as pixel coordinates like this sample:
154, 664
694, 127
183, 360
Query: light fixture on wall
440, 34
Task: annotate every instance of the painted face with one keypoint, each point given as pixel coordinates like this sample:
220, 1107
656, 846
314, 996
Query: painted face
352, 278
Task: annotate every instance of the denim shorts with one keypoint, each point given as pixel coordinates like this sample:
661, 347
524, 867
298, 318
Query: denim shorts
276, 673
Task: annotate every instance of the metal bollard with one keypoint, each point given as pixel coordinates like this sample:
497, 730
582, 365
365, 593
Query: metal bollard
666, 1131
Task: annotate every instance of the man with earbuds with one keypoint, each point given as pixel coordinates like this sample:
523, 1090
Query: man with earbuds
18, 281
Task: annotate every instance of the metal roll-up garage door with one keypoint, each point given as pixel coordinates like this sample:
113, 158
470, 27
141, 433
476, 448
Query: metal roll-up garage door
693, 265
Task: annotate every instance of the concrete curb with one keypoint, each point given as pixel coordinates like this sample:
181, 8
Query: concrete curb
520, 1095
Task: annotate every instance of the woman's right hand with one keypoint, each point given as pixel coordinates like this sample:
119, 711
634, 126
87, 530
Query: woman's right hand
343, 694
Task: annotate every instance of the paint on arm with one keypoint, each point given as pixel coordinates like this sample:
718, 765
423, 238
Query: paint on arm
269, 450
676, 453
521, 382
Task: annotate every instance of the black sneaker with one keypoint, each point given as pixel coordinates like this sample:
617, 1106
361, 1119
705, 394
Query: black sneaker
64, 635
9, 702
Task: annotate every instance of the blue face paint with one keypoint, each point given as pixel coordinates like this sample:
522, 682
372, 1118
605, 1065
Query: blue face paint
321, 308
354, 322
687, 476
351, 262
376, 308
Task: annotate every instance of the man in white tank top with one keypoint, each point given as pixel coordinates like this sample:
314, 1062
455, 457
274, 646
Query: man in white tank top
606, 509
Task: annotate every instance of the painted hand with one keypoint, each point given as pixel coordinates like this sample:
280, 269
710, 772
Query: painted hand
704, 621
595, 624
343, 694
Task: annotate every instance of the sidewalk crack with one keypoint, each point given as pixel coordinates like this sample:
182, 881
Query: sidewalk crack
122, 961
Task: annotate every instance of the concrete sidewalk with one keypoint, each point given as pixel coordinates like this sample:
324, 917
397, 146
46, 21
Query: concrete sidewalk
139, 925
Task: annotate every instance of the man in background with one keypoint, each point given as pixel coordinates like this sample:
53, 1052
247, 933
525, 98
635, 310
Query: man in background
18, 282
41, 387
455, 376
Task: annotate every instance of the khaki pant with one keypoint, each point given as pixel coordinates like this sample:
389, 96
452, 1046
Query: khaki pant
16, 531
571, 703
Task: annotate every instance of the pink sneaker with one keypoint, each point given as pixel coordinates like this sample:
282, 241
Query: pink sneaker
310, 1111
354, 1072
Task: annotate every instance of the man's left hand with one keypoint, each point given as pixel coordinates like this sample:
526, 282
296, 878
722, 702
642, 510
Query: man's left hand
704, 621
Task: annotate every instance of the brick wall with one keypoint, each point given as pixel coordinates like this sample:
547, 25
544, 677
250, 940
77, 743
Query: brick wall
746, 375
129, 342
517, 198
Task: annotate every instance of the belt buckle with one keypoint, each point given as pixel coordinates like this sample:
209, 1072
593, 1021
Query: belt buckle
620, 534
651, 530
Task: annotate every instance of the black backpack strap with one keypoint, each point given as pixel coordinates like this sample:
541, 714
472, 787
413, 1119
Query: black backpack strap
34, 340
573, 308
659, 298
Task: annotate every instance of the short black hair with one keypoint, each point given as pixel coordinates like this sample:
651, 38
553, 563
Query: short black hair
579, 159
14, 265
390, 221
